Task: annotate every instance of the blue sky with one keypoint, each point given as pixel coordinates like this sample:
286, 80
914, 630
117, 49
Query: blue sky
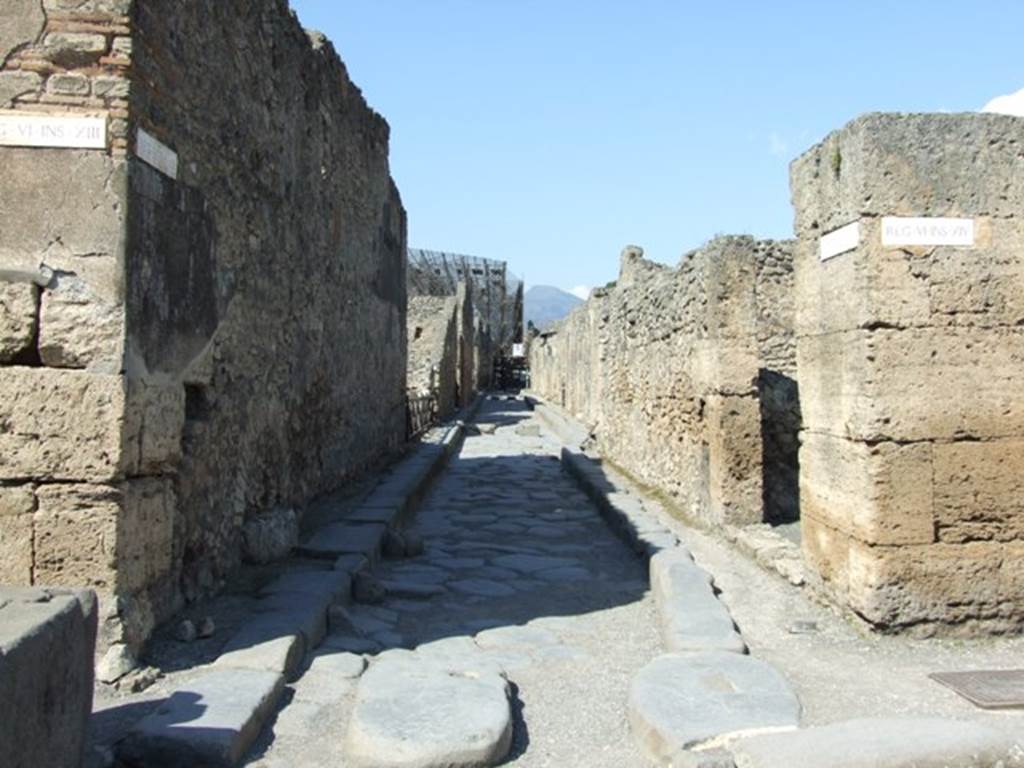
550, 133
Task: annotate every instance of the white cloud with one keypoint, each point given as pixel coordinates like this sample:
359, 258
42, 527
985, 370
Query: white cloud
777, 145
1010, 104
580, 291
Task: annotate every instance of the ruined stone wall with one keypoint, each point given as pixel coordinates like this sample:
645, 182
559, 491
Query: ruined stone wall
664, 368
227, 314
434, 350
911, 367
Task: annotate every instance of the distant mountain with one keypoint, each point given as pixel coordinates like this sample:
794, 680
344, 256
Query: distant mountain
545, 304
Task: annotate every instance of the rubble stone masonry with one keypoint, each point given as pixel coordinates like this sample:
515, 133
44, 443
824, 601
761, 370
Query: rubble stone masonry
911, 369
685, 377
200, 322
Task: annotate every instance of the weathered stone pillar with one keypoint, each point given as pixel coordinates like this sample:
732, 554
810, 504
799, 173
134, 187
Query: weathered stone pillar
910, 323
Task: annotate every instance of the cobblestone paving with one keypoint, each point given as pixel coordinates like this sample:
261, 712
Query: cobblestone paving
519, 570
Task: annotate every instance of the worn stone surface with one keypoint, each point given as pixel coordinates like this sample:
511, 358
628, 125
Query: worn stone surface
413, 715
686, 373
882, 743
270, 536
211, 721
909, 359
682, 701
22, 24
19, 321
691, 615
47, 640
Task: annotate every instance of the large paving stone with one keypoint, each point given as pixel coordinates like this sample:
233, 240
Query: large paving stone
264, 643
881, 743
682, 701
534, 563
210, 722
47, 641
411, 714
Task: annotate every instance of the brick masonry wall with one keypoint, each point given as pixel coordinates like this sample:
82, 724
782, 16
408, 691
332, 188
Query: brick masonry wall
664, 367
183, 350
911, 366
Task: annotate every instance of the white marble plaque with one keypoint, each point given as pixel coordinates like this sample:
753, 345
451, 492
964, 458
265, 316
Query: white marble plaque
839, 241
157, 154
18, 129
902, 230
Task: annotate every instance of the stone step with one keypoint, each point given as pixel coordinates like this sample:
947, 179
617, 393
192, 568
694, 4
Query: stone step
212, 721
882, 743
682, 701
415, 712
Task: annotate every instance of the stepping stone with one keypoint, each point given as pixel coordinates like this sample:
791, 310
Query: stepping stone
346, 666
338, 539
682, 701
410, 714
211, 721
482, 588
879, 743
375, 512
533, 563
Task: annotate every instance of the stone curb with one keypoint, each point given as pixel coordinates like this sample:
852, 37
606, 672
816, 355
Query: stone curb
696, 627
290, 622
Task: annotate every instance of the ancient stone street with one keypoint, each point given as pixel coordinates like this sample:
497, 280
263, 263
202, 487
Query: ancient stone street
520, 574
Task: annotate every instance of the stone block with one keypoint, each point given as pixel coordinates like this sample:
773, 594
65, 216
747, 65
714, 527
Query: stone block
76, 535
78, 328
733, 435
826, 552
876, 286
17, 83
881, 743
42, 202
47, 642
913, 384
682, 701
979, 491
210, 721
911, 165
22, 23
17, 503
61, 425
154, 420
108, 537
879, 493
941, 588
19, 320
68, 85
74, 49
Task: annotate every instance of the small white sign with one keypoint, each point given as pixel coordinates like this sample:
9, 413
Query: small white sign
18, 129
157, 154
840, 241
900, 230
518, 350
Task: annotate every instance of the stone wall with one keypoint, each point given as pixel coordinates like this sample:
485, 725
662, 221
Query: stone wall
911, 369
201, 336
433, 367
667, 367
